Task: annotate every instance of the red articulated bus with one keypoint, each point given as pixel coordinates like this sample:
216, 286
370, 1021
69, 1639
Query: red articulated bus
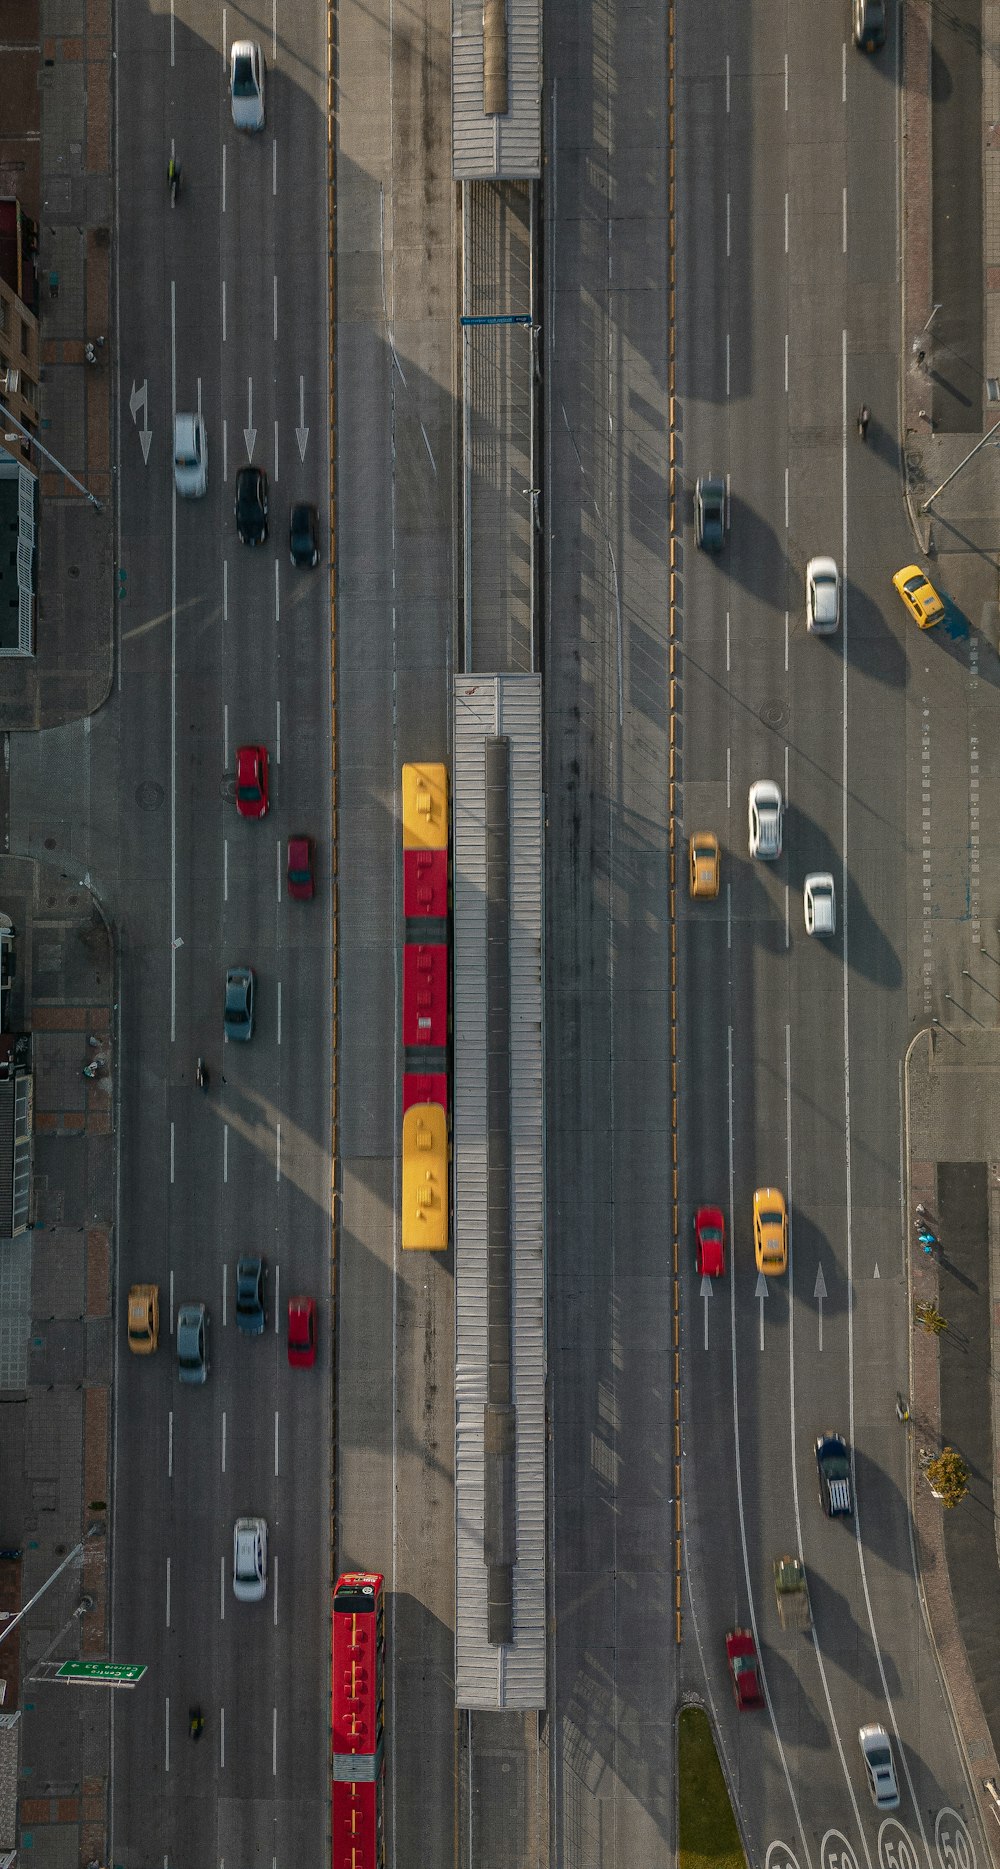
425, 1193
358, 1714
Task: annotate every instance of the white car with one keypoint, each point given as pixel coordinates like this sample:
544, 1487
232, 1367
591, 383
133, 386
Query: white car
822, 596
876, 1750
765, 819
190, 456
246, 84
250, 1560
820, 904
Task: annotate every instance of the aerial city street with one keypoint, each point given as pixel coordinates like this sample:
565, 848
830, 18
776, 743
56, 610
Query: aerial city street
500, 935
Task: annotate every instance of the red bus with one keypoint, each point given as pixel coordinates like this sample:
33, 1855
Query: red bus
358, 1716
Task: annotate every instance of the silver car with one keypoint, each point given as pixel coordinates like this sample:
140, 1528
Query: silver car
246, 84
190, 456
822, 596
192, 1343
876, 1750
250, 1560
764, 813
819, 904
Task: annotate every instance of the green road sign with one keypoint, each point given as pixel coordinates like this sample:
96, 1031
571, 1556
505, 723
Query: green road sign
106, 1673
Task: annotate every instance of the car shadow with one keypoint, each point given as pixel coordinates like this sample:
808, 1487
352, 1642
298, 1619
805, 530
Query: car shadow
786, 1690
843, 1640
872, 956
883, 1513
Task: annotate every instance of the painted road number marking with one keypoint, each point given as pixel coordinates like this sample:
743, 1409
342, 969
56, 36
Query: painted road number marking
895, 1850
952, 1841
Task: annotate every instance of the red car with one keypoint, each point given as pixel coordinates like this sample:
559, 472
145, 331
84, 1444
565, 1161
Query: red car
251, 781
301, 881
744, 1668
710, 1241
302, 1332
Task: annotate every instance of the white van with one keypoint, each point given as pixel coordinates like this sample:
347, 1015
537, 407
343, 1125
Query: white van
190, 456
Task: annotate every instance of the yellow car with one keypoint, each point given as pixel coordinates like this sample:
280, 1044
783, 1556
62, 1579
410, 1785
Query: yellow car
704, 864
143, 1319
770, 1231
919, 596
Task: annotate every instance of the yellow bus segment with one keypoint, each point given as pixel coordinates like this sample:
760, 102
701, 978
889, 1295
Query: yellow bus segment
425, 1178
425, 807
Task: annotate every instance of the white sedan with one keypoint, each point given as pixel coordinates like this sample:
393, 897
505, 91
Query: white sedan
819, 904
822, 596
250, 1560
246, 84
764, 810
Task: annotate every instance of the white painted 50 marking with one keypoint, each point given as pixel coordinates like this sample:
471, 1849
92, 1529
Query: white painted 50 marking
836, 1853
895, 1850
779, 1856
952, 1841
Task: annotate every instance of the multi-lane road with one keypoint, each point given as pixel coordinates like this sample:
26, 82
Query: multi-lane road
792, 1046
787, 307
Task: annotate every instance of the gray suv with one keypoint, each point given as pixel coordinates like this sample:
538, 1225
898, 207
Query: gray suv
192, 1343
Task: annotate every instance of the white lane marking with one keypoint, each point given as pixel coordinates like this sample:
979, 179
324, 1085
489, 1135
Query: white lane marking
170, 1447
728, 88
225, 590
276, 478
274, 334
277, 1296
222, 1588
223, 1440
786, 363
706, 1293
171, 1301
786, 229
729, 645
277, 868
274, 159
225, 169
787, 632
166, 1734
819, 1293
225, 452
786, 775
277, 1150
225, 869
225, 1177
279, 1012
729, 225
274, 1590
222, 1738
761, 1292
173, 683
786, 83
787, 496
167, 1623
225, 328
739, 1476
849, 1170
843, 231
788, 926
729, 763
224, 1319
729, 915
276, 1436
173, 1152
225, 734
277, 729
274, 1742
843, 72
794, 1440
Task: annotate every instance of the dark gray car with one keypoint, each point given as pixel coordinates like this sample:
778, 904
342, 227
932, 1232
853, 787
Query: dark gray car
192, 1343
710, 513
237, 1018
251, 1315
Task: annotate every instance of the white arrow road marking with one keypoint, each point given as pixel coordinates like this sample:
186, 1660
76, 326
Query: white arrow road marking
249, 433
819, 1293
139, 400
706, 1292
876, 1273
760, 1291
302, 432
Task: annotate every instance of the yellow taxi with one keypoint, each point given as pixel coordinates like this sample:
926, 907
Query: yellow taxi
770, 1231
919, 596
143, 1319
705, 862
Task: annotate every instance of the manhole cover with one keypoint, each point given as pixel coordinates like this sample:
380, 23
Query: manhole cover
774, 714
149, 796
228, 787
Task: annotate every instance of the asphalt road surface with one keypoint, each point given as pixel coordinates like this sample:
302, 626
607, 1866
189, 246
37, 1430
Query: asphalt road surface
792, 1046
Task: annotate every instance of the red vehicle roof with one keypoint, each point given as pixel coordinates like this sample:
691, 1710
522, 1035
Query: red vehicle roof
425, 1087
425, 883
425, 996
357, 1825
711, 1252
358, 1688
302, 1332
744, 1668
251, 781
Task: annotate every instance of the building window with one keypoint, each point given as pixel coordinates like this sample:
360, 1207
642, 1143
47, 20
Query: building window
25, 339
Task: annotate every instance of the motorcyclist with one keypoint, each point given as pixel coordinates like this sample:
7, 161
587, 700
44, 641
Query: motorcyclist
201, 1074
195, 1722
173, 177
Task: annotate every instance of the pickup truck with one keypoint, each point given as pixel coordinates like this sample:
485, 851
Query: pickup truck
791, 1593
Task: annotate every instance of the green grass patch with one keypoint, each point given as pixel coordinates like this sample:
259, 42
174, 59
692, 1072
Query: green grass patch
709, 1838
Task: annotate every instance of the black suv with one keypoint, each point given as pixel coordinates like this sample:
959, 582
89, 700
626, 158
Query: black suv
834, 1476
251, 505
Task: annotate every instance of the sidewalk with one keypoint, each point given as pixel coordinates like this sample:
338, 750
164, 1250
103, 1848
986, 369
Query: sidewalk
952, 1112
55, 154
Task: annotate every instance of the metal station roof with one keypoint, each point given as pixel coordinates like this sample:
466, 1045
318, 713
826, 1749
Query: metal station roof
508, 147
489, 1676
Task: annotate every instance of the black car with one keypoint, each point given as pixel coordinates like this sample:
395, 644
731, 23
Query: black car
834, 1476
710, 513
250, 1312
303, 535
251, 505
869, 25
